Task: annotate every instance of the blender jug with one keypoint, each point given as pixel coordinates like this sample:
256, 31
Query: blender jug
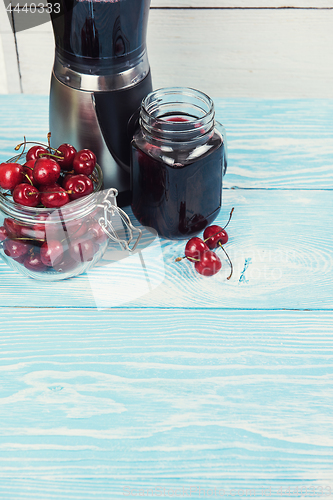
101, 74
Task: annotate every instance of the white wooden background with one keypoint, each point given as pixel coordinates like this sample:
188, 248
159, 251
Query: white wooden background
228, 48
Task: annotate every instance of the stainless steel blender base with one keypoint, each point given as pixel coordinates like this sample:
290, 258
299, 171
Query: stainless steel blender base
73, 120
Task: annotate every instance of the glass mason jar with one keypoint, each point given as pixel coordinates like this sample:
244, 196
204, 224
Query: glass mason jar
55, 244
178, 160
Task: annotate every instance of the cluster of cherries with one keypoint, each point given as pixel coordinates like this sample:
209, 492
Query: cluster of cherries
49, 177
51, 180
200, 251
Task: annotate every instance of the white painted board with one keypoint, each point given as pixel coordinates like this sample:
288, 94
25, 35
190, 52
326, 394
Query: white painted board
9, 71
281, 53
36, 52
3, 78
226, 53
245, 4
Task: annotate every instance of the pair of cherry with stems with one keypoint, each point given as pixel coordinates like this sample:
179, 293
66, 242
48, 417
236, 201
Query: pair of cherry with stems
200, 251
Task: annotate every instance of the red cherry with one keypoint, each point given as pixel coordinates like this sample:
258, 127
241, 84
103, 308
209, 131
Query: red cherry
82, 250
33, 262
26, 195
28, 168
30, 164
49, 187
3, 233
12, 227
39, 224
209, 264
27, 172
54, 197
66, 179
68, 152
10, 175
194, 249
215, 235
35, 152
84, 162
53, 231
79, 185
15, 230
20, 259
31, 232
96, 232
15, 249
66, 264
27, 176
51, 252
76, 230
46, 171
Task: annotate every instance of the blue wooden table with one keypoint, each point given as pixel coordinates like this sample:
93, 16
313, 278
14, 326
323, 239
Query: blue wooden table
168, 384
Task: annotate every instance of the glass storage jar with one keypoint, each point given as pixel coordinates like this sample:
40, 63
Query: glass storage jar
55, 244
178, 160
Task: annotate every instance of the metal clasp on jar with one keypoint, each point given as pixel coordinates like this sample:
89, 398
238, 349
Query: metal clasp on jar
111, 208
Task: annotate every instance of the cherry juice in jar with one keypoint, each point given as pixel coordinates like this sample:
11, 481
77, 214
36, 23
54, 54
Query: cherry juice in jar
178, 161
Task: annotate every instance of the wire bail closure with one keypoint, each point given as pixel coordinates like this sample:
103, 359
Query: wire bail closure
111, 209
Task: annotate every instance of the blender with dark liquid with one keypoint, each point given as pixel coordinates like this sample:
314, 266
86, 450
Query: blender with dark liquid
101, 74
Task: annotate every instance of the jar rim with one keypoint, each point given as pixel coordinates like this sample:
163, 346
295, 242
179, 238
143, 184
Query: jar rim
197, 106
184, 91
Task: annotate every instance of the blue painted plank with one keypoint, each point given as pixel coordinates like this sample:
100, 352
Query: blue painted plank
279, 243
21, 116
92, 402
279, 144
272, 143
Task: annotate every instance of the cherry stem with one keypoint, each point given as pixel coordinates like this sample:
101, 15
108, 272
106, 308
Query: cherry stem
57, 192
212, 235
233, 208
27, 176
25, 142
28, 239
42, 155
191, 259
37, 143
17, 157
49, 139
12, 158
231, 266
